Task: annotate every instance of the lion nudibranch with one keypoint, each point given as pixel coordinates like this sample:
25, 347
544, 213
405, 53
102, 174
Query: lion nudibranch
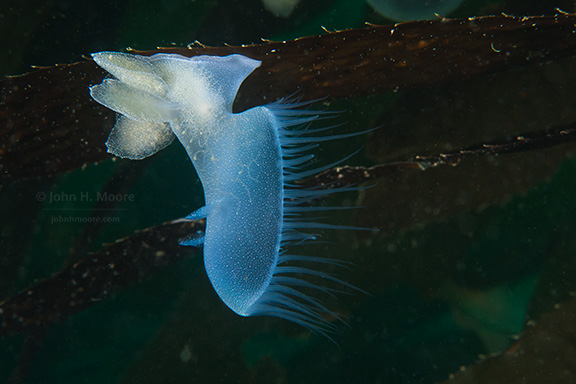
247, 162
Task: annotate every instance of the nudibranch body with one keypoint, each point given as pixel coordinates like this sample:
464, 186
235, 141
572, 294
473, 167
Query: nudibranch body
247, 163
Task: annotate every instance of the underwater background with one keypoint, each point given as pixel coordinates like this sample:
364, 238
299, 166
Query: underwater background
467, 257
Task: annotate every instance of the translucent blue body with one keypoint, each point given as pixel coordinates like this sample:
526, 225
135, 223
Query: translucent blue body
242, 179
247, 163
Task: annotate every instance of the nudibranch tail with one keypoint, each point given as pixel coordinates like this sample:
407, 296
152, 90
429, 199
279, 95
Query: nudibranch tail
249, 164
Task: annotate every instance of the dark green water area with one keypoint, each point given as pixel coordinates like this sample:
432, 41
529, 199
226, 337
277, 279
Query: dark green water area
470, 259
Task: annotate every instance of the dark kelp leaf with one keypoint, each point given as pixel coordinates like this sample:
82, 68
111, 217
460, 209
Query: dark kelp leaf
545, 353
346, 175
92, 279
51, 125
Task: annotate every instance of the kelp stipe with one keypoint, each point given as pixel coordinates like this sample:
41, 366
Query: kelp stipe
249, 164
